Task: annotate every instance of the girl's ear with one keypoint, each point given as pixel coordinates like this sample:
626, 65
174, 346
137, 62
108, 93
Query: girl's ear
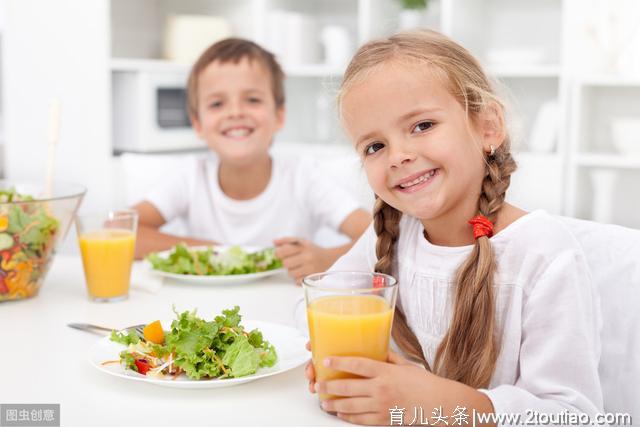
491, 126
197, 126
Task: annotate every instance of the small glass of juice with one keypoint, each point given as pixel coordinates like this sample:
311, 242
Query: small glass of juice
349, 314
107, 244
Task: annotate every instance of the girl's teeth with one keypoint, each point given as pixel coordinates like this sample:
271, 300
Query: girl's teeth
419, 179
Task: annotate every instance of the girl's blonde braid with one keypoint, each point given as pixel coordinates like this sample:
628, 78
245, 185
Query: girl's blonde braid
386, 223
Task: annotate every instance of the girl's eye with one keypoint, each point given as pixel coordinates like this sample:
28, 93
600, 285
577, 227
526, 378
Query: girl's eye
372, 148
422, 126
215, 104
255, 100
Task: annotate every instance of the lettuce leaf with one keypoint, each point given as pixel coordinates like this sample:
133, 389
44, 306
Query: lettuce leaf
235, 260
219, 348
241, 357
125, 338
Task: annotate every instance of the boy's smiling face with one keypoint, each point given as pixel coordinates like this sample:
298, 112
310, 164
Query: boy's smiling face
237, 114
420, 153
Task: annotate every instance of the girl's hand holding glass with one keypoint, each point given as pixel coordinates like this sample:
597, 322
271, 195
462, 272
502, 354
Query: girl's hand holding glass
397, 383
384, 386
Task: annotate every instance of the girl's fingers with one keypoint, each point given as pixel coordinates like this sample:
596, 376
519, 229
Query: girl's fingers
309, 372
352, 405
370, 419
356, 365
308, 345
396, 359
347, 387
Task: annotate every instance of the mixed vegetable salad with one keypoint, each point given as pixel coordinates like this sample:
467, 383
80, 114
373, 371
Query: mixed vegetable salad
27, 236
201, 349
209, 261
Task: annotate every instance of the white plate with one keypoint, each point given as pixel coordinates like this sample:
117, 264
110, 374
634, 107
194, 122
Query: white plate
229, 279
288, 342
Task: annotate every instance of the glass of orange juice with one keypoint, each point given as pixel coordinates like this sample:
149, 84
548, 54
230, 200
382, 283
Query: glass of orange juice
107, 243
349, 314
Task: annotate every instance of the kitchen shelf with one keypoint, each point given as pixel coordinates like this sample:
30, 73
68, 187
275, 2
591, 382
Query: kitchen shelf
533, 71
531, 156
540, 51
615, 161
162, 65
598, 100
148, 65
609, 81
313, 70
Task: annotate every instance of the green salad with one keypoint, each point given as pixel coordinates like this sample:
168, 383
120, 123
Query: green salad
210, 262
27, 235
220, 348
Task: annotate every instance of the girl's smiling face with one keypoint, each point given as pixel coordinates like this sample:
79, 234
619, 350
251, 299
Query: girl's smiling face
421, 154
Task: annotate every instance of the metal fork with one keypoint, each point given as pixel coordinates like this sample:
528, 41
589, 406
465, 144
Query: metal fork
99, 330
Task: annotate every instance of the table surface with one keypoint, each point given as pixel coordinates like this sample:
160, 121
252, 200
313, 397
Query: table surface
44, 361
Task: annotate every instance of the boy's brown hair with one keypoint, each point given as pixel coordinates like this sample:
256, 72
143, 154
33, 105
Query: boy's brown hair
234, 50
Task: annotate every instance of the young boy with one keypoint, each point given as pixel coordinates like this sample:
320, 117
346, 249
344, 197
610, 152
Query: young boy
238, 194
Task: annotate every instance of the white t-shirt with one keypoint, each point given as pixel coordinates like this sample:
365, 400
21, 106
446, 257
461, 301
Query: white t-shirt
547, 310
296, 202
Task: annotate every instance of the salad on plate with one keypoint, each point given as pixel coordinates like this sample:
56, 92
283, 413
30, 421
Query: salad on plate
214, 261
200, 349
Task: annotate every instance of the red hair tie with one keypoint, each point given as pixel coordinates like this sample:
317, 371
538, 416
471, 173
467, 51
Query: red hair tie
481, 226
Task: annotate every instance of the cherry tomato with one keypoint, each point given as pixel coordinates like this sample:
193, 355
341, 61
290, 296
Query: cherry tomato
143, 366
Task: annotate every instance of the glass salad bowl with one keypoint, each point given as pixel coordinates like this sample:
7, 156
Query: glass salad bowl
31, 227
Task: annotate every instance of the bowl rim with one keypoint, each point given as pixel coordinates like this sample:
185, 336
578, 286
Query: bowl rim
70, 190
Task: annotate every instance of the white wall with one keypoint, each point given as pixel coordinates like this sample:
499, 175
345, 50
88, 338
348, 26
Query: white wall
58, 49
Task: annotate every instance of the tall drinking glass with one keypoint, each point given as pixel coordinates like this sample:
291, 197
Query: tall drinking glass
349, 314
107, 244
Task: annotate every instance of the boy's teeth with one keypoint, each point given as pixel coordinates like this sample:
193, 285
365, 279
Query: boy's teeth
237, 133
419, 179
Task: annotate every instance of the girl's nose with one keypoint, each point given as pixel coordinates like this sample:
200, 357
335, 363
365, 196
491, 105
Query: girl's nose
400, 153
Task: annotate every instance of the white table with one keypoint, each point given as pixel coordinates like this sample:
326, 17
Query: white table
44, 361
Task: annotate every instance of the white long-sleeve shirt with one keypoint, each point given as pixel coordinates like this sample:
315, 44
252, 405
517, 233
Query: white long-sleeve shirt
547, 310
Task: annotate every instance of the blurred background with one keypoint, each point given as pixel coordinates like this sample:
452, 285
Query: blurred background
570, 70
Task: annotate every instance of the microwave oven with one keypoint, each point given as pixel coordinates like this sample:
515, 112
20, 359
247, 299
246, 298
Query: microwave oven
149, 112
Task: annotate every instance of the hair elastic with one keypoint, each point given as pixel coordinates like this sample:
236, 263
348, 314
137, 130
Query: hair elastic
481, 226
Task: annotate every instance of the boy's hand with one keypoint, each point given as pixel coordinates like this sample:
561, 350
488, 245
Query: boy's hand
301, 257
310, 372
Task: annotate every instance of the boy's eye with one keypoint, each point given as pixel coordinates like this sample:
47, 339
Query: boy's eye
254, 100
422, 126
372, 148
215, 104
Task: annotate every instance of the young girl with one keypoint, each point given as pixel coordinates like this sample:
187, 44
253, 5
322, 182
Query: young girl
495, 302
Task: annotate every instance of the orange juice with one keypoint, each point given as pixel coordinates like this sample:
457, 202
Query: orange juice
348, 325
107, 255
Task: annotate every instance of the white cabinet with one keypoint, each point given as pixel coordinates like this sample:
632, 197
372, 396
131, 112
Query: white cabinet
504, 35
605, 150
519, 44
542, 51
296, 31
